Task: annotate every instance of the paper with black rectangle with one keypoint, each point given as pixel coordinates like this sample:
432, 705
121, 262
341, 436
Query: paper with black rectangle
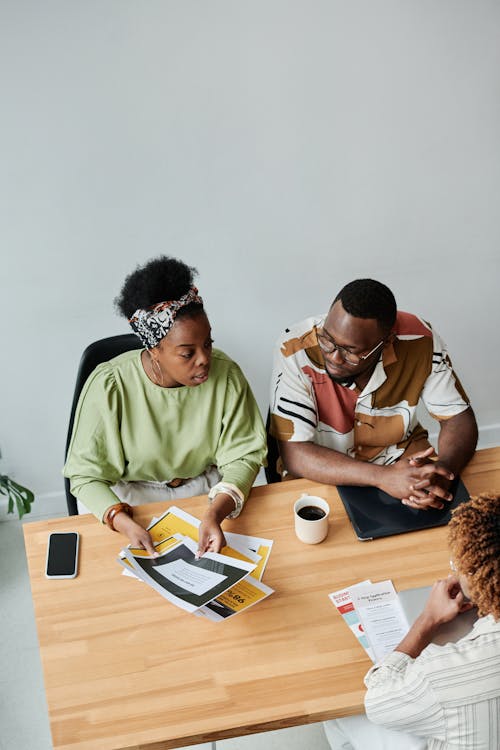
172, 582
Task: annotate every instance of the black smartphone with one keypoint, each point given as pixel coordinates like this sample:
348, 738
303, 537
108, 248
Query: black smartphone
62, 555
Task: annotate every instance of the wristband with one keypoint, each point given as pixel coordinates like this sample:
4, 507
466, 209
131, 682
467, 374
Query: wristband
112, 511
231, 490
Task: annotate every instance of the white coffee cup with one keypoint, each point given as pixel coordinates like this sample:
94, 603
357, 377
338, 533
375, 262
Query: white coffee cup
311, 527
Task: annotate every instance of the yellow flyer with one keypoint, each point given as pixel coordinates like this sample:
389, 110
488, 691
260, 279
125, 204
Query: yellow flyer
177, 521
261, 547
245, 594
263, 551
174, 521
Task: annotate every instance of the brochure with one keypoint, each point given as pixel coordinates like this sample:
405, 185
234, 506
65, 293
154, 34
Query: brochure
382, 616
344, 603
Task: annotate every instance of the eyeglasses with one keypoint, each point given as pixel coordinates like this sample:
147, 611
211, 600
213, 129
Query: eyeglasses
328, 346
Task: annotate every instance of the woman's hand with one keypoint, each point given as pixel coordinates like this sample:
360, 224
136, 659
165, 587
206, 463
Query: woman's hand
445, 601
138, 537
211, 538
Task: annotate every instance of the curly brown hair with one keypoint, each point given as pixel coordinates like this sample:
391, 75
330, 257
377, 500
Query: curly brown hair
474, 541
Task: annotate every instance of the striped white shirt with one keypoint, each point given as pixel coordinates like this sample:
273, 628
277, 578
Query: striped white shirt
449, 694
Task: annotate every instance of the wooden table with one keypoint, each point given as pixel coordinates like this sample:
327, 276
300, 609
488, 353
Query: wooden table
126, 669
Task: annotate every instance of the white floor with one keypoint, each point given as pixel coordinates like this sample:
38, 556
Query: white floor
23, 710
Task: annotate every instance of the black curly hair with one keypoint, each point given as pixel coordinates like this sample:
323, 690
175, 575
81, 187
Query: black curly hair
474, 541
159, 280
367, 298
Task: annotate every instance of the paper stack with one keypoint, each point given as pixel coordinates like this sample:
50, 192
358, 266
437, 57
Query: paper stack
215, 586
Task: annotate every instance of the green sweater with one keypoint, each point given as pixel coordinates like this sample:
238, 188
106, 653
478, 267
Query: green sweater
127, 428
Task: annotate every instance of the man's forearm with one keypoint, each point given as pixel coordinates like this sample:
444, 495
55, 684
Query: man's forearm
326, 465
457, 440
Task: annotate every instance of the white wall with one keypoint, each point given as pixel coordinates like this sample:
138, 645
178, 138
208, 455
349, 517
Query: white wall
282, 147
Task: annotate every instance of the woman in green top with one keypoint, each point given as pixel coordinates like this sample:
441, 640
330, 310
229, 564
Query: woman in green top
172, 420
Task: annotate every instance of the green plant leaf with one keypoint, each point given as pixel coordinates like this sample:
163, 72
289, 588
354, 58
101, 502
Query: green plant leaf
23, 491
20, 506
21, 496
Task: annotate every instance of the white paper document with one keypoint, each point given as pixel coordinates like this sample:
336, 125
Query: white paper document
382, 616
195, 580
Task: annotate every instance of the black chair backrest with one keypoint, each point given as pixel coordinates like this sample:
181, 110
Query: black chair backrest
94, 354
273, 453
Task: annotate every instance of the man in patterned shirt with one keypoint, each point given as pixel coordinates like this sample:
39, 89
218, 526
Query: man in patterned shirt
344, 397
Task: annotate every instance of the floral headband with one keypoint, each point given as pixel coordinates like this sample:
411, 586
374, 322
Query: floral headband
153, 324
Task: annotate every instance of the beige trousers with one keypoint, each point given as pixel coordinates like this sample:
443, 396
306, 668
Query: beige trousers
139, 493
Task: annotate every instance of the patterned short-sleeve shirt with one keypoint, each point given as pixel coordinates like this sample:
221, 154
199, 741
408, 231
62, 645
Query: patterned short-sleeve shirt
380, 422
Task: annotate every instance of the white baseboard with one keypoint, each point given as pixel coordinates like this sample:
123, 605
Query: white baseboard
489, 436
47, 505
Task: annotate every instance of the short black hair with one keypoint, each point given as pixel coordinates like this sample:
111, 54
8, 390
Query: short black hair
159, 280
367, 298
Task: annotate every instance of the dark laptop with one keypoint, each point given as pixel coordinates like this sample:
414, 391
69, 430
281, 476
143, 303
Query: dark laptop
374, 513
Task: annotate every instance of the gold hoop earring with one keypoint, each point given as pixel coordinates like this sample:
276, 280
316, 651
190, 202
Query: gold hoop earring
153, 363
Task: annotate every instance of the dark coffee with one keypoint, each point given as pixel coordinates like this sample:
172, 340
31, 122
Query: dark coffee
311, 513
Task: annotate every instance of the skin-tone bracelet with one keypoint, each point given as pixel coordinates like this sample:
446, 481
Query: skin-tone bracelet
113, 510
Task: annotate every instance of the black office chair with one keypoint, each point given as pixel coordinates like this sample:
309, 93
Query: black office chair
273, 454
94, 354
